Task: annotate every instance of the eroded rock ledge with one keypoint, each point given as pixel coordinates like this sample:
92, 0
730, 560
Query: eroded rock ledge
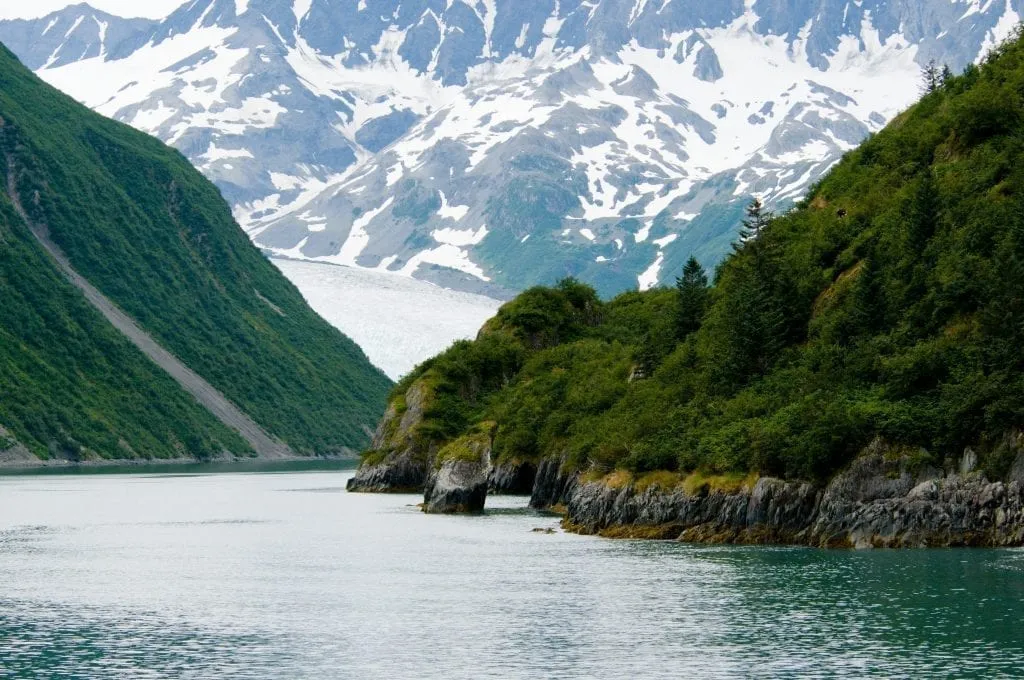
403, 460
398, 461
880, 500
458, 487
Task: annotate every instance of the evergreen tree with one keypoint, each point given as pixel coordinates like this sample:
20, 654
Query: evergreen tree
946, 77
753, 225
866, 310
931, 77
692, 298
915, 260
648, 357
751, 336
923, 214
748, 337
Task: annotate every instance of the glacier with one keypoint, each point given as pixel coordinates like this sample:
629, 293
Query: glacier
398, 321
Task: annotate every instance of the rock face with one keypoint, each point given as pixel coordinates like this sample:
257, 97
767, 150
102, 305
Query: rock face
398, 462
512, 479
12, 452
879, 503
885, 498
773, 511
881, 500
459, 486
553, 485
461, 475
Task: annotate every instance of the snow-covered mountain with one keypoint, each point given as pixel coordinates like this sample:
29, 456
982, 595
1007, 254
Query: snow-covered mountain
491, 144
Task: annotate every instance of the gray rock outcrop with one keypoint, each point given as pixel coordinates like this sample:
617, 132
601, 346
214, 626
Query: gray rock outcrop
512, 479
398, 461
553, 485
12, 452
459, 486
884, 498
879, 502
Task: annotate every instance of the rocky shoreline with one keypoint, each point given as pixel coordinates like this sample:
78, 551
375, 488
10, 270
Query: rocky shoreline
884, 499
878, 501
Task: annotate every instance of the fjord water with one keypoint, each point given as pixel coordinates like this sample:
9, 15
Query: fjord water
261, 575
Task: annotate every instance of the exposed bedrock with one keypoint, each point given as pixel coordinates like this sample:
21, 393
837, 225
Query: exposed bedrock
398, 461
553, 485
512, 479
882, 499
458, 486
885, 498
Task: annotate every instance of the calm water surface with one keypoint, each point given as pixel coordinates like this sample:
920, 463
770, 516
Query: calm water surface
246, 575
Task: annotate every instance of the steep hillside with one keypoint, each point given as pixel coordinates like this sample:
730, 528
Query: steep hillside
156, 239
887, 305
490, 145
72, 387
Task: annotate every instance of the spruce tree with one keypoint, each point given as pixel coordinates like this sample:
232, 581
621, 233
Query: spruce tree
866, 310
756, 328
946, 77
753, 225
647, 357
931, 77
692, 298
917, 263
922, 215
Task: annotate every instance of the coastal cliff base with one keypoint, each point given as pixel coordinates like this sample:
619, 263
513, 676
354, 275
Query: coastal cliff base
880, 500
459, 486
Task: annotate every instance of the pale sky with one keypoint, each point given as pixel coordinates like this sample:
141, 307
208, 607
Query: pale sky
30, 9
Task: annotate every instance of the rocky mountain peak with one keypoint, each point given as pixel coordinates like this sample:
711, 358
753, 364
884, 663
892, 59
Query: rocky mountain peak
493, 144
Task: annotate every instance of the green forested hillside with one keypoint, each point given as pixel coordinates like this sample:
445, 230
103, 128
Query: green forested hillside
889, 303
71, 384
154, 236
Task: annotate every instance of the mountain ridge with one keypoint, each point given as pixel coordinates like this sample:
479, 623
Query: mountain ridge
217, 404
157, 251
517, 142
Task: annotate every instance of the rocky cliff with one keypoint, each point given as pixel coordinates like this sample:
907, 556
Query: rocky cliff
457, 487
885, 498
398, 459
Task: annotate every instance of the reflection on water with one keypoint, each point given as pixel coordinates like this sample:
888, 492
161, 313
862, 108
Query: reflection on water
175, 469
287, 576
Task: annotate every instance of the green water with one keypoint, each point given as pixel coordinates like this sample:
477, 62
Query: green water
285, 575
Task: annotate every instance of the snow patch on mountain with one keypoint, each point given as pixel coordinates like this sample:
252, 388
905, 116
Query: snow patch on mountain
495, 144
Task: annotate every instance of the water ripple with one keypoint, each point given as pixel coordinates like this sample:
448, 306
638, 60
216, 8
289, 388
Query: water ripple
175, 577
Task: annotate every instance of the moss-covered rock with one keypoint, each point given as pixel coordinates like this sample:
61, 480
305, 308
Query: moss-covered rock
884, 498
399, 458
